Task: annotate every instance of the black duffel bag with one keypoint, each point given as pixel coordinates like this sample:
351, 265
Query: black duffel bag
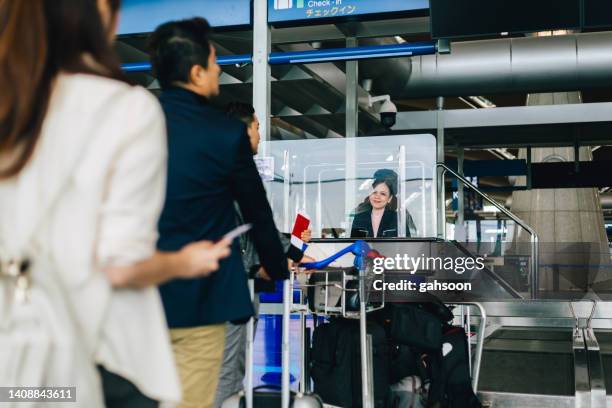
336, 363
419, 324
456, 367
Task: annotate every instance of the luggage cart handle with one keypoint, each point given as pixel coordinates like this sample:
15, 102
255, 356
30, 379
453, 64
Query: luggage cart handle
358, 248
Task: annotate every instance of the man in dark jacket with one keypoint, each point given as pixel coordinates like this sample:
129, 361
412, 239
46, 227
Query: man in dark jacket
233, 368
210, 166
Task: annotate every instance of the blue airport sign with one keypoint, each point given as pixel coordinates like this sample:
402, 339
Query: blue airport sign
297, 10
142, 16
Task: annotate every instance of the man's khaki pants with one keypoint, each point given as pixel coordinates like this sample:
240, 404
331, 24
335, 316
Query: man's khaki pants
199, 353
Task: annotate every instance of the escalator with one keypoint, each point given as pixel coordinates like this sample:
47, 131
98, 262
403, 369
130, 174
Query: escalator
541, 355
604, 336
528, 360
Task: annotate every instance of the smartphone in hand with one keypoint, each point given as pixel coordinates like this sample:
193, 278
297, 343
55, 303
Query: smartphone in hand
236, 232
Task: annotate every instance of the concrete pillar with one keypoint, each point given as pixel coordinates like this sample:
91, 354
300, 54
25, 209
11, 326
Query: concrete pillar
569, 222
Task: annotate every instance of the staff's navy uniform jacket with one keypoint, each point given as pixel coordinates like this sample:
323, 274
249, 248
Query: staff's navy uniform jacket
210, 166
363, 224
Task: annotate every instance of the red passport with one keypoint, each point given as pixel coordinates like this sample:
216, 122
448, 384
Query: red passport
301, 224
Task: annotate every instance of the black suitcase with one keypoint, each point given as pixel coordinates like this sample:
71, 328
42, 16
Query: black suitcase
447, 372
336, 363
402, 362
455, 364
417, 324
420, 331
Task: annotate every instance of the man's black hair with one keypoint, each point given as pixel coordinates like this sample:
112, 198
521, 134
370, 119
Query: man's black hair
175, 47
241, 111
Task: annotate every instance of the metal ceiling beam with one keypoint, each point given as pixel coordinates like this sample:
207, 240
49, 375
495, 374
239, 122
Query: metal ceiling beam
551, 125
145, 66
333, 76
353, 54
498, 152
224, 79
311, 126
509, 116
314, 56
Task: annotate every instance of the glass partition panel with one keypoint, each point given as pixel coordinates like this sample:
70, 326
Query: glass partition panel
381, 186
493, 239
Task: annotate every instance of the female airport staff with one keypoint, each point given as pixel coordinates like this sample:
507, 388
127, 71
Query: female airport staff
377, 219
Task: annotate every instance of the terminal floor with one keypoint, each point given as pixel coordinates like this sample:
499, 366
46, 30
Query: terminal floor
528, 360
521, 360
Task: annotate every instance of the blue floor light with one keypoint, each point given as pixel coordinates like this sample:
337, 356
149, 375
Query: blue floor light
273, 324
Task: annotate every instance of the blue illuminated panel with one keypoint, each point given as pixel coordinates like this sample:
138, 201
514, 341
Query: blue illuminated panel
292, 10
142, 16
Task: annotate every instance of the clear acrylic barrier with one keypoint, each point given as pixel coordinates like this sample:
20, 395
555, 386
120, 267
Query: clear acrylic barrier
494, 240
330, 180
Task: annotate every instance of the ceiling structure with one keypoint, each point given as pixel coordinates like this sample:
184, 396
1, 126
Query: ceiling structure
308, 101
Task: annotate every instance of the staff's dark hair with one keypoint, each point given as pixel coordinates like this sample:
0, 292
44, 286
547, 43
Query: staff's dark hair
175, 47
244, 112
38, 39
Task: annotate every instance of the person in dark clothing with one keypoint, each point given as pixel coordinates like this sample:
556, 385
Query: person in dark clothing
234, 362
210, 166
246, 114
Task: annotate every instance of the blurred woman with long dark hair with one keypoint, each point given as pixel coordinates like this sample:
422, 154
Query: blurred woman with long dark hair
82, 182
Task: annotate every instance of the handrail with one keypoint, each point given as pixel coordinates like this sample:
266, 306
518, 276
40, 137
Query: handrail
596, 371
358, 248
353, 54
582, 387
533, 266
591, 314
479, 342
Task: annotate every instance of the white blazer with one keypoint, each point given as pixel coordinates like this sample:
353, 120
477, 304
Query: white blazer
109, 141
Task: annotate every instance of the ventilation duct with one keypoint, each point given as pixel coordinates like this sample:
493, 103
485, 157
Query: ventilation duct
531, 64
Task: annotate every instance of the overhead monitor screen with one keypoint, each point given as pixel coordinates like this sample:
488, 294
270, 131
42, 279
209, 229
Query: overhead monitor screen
597, 14
469, 18
143, 16
304, 10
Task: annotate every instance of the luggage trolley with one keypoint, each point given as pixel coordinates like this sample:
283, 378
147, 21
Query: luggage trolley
336, 298
339, 285
333, 286
247, 397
